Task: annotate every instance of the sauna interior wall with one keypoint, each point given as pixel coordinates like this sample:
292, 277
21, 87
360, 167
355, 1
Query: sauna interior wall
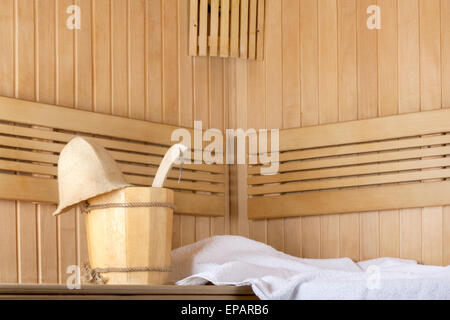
323, 65
128, 59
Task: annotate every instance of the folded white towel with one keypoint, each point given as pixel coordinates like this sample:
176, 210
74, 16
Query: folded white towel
231, 260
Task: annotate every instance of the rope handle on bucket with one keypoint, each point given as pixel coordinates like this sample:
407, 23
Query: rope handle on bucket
85, 207
95, 275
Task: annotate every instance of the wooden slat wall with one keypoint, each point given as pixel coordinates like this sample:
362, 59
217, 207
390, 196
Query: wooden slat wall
130, 58
331, 68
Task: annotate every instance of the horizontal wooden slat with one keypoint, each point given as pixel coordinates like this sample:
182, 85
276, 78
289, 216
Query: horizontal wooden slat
350, 171
52, 170
69, 119
28, 167
365, 148
350, 182
378, 129
183, 185
117, 155
356, 160
174, 173
28, 156
416, 195
66, 137
26, 188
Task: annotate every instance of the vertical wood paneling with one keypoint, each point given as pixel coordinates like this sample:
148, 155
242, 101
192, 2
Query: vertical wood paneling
83, 58
291, 103
388, 58
328, 105
216, 119
309, 66
256, 117
367, 48
170, 61
388, 105
347, 65
25, 46
119, 54
446, 236
201, 113
154, 57
102, 55
367, 64
274, 96
445, 47
8, 236
7, 49
408, 56
130, 58
349, 245
27, 244
430, 54
409, 101
432, 224
183, 224
136, 56
48, 264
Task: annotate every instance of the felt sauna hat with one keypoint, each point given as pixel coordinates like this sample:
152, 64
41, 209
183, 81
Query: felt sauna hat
85, 170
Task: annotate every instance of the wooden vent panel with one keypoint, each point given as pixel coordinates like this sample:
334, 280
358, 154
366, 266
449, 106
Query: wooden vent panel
380, 164
227, 28
32, 135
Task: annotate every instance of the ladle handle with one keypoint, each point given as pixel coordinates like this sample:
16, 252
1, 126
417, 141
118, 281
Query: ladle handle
172, 155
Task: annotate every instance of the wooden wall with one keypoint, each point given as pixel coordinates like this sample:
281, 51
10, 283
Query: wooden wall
323, 65
130, 58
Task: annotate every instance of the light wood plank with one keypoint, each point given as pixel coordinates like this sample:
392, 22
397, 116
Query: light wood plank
214, 29
367, 64
154, 57
318, 203
48, 263
7, 67
119, 53
8, 234
430, 54
390, 234
349, 171
193, 27
102, 55
260, 30
445, 46
388, 58
243, 33
83, 58
432, 226
274, 97
225, 11
203, 27
252, 33
234, 29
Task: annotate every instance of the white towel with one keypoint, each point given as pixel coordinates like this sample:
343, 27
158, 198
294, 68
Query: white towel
231, 260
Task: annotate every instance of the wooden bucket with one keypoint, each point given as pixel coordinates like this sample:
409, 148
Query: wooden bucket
131, 237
